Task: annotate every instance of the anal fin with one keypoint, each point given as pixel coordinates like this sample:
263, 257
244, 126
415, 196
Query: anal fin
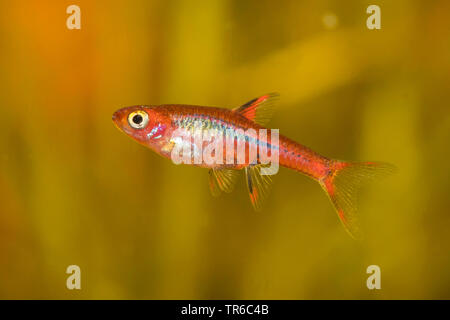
258, 185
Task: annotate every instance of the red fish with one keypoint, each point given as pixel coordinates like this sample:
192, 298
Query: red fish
156, 127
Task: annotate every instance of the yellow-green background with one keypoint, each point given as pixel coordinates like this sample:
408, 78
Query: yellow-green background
75, 190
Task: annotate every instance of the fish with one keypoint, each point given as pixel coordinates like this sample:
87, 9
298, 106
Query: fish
156, 127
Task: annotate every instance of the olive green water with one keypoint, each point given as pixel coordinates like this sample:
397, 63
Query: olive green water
75, 190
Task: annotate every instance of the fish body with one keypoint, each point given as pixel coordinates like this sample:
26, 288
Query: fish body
159, 128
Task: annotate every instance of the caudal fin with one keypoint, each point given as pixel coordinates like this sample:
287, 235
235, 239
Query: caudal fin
343, 183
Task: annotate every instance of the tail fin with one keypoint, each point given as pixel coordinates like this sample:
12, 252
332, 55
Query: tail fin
342, 185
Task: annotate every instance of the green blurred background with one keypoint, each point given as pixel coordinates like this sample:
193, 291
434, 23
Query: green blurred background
75, 190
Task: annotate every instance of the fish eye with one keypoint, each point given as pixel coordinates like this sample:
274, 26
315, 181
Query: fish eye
138, 119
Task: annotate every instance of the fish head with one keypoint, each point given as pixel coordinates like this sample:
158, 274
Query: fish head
145, 124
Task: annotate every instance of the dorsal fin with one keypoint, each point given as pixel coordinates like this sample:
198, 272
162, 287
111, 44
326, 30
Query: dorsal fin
258, 110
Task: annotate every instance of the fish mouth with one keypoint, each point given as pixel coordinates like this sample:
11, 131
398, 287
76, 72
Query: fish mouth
116, 118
